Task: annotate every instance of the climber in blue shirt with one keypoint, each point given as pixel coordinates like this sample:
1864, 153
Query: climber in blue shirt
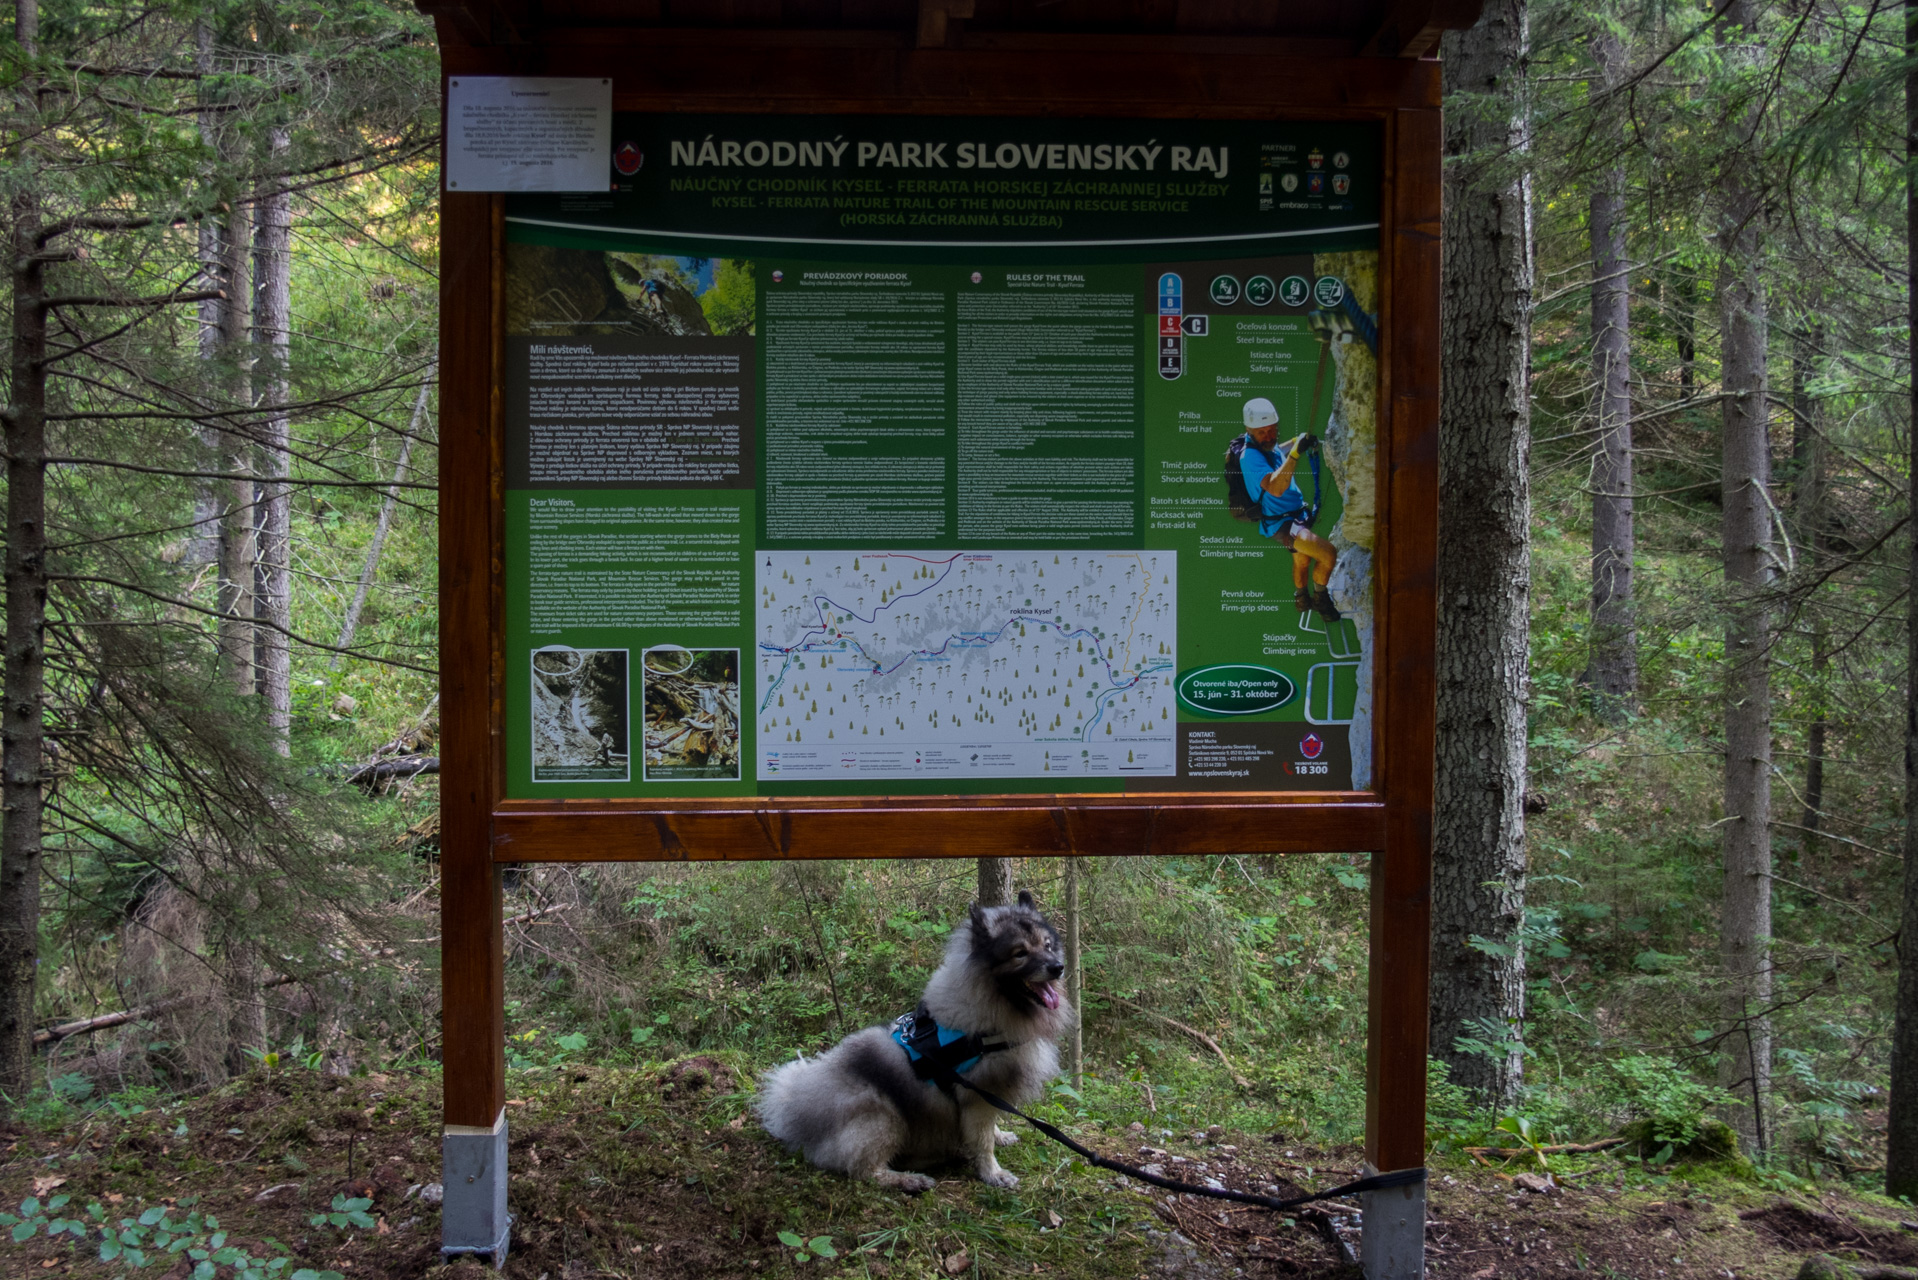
1267, 468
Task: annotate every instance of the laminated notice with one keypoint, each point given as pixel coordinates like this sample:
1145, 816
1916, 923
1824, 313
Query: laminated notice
528, 133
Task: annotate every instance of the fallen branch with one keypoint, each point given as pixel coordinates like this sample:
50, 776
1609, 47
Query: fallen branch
1562, 1148
508, 922
101, 1022
1196, 1034
51, 1035
106, 1021
1826, 835
377, 774
530, 916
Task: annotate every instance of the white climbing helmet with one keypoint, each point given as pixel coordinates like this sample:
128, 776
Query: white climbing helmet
1259, 412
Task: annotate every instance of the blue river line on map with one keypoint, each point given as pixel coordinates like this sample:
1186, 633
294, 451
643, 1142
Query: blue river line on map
906, 663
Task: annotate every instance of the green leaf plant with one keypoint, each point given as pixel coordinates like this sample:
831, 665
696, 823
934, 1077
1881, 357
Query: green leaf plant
346, 1213
157, 1238
805, 1250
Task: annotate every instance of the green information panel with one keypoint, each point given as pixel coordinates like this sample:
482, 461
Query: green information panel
854, 455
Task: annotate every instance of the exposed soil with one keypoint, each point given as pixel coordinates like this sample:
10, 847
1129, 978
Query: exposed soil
660, 1173
1803, 1230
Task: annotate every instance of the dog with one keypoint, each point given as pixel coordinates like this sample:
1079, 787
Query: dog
862, 1107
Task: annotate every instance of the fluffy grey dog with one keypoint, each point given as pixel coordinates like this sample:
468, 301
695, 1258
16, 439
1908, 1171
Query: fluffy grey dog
861, 1107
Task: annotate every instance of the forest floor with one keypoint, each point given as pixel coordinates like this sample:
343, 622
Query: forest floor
661, 1172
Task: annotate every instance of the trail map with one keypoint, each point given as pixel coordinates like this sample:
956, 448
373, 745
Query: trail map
966, 664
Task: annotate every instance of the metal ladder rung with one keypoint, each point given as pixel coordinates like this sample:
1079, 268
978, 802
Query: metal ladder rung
1340, 649
1331, 670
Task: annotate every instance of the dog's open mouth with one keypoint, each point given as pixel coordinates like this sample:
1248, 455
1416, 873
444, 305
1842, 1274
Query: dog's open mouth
1047, 993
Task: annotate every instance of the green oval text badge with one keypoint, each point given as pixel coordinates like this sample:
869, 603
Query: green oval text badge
1235, 689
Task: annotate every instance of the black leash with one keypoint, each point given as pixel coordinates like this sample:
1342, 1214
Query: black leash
1377, 1182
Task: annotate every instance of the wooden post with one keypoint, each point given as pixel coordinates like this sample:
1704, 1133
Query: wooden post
1401, 955
472, 970
1075, 977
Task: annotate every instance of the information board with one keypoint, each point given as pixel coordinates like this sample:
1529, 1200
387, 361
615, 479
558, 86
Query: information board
852, 455
838, 469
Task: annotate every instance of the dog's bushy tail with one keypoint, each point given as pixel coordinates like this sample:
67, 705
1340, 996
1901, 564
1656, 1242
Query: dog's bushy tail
777, 1105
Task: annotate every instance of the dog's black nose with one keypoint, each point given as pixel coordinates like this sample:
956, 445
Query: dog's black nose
1055, 970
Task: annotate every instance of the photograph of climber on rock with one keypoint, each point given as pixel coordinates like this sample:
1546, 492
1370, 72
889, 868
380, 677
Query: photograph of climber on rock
559, 292
692, 713
1267, 486
579, 715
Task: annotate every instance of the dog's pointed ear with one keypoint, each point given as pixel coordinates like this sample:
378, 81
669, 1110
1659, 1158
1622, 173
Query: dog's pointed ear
981, 931
1025, 900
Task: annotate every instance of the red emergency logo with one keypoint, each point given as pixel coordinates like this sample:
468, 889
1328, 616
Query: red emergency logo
1311, 746
627, 158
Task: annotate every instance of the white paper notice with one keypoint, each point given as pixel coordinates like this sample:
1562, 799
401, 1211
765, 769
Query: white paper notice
528, 133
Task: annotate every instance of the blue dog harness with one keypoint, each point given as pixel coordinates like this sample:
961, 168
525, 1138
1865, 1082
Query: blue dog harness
937, 1053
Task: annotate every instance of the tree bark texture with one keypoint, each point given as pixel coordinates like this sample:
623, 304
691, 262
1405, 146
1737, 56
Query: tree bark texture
1075, 975
995, 882
203, 540
1901, 1154
1685, 322
1478, 881
1613, 672
1745, 911
1808, 506
22, 731
272, 337
238, 533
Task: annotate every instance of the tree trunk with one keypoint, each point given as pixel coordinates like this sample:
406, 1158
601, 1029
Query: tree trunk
203, 541
22, 731
1901, 1153
392, 501
272, 323
238, 543
246, 1003
268, 517
238, 531
1478, 882
995, 882
1075, 976
1808, 504
1613, 673
1685, 320
1745, 913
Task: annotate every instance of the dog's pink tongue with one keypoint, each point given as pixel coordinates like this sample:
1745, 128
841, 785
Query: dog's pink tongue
1050, 994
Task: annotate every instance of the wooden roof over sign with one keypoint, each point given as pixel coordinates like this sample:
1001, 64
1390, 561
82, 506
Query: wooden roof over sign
1322, 28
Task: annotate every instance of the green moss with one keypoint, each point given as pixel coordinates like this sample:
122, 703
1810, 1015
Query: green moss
1716, 1142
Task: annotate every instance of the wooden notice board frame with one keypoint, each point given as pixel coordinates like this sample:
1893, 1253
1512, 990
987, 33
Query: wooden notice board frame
860, 73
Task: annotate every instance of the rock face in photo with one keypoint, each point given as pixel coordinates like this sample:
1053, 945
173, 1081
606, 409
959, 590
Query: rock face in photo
1351, 451
568, 292
579, 710
677, 309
